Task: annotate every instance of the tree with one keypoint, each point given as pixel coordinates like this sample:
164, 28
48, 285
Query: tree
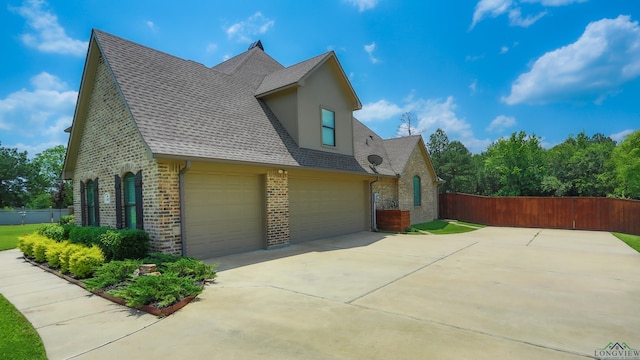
457, 169
518, 163
14, 172
438, 142
625, 159
46, 180
407, 120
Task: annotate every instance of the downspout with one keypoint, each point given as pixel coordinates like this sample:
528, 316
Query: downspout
183, 228
374, 226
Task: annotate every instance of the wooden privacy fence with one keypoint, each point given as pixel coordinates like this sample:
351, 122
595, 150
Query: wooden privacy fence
580, 213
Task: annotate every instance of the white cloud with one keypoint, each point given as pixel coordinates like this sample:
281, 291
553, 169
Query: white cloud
47, 35
495, 8
474, 86
501, 122
431, 114
619, 136
370, 49
40, 114
604, 57
211, 47
379, 111
151, 25
246, 30
491, 8
363, 4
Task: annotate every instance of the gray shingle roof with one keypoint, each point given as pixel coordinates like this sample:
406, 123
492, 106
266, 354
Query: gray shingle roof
184, 109
399, 151
286, 77
365, 143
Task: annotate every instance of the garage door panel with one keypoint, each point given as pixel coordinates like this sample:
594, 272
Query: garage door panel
322, 208
223, 214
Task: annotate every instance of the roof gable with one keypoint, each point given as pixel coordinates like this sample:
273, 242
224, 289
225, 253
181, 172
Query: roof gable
400, 150
295, 75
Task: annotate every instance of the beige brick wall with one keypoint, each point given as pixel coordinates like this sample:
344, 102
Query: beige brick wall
277, 207
387, 189
111, 145
417, 165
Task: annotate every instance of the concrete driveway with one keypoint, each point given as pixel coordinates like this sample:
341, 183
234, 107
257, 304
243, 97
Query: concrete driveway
494, 293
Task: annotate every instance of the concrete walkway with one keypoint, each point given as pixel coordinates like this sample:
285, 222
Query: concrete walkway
489, 294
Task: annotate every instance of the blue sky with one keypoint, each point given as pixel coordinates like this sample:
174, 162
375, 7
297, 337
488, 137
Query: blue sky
480, 70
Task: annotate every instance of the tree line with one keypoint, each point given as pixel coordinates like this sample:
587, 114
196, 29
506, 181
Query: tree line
33, 183
519, 166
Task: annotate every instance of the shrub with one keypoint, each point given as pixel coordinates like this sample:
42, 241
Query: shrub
40, 247
124, 244
162, 290
25, 244
86, 235
112, 273
53, 231
53, 253
193, 269
67, 220
85, 261
161, 259
68, 250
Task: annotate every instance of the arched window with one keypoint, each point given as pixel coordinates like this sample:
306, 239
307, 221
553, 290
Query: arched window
417, 191
129, 186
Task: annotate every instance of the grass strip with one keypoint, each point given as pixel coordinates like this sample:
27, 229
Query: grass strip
632, 240
9, 234
19, 339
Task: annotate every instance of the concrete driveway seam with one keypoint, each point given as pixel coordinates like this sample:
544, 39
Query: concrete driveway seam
534, 237
479, 332
410, 273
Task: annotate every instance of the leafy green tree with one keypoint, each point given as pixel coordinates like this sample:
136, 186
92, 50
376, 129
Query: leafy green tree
46, 180
457, 169
438, 142
518, 163
626, 161
14, 173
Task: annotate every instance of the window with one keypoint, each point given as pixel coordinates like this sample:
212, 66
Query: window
89, 203
328, 128
129, 201
417, 198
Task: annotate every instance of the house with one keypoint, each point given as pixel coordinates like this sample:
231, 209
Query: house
244, 155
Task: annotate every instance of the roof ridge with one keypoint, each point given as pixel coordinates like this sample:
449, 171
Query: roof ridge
145, 46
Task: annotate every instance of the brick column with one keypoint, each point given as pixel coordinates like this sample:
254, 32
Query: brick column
277, 214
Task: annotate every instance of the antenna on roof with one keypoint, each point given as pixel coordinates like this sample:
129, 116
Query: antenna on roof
257, 44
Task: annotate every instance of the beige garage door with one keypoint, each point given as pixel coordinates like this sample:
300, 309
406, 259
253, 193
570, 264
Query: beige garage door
223, 214
324, 208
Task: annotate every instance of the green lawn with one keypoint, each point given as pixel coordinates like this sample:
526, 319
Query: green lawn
441, 227
631, 240
9, 234
19, 339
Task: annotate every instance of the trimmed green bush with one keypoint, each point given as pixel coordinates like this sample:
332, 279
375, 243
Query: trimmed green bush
124, 244
161, 291
85, 261
53, 253
67, 220
40, 248
53, 231
87, 235
161, 259
68, 250
112, 273
25, 243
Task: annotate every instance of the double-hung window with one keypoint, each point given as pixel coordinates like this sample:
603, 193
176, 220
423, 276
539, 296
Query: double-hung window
328, 128
417, 191
89, 202
129, 201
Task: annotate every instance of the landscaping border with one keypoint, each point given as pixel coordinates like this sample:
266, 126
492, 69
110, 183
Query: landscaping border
120, 301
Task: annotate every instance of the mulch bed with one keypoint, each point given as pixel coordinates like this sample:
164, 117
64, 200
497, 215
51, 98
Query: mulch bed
146, 308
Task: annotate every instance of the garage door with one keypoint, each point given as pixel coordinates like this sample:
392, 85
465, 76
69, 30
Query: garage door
323, 208
223, 214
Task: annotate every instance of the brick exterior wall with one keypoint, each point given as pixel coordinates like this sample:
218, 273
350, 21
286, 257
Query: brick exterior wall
111, 145
417, 165
387, 190
277, 208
